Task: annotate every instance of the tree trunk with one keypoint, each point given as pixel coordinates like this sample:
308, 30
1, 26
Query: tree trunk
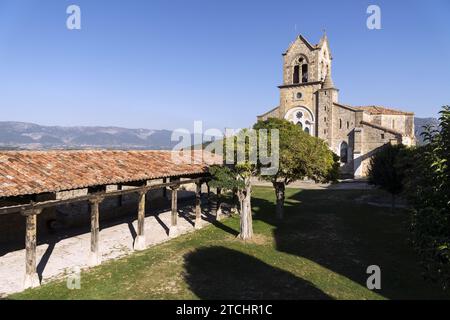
234, 201
279, 194
246, 225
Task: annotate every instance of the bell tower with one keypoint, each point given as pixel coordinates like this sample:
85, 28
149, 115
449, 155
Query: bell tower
305, 69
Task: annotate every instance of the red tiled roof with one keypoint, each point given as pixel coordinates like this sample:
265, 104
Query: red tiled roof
33, 172
376, 110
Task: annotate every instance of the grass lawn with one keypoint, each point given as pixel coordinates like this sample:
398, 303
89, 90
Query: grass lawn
320, 251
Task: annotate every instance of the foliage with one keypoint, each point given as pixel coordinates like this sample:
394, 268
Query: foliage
237, 177
300, 156
428, 190
224, 177
385, 170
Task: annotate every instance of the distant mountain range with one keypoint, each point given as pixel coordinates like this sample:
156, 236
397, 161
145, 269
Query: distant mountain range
21, 135
419, 123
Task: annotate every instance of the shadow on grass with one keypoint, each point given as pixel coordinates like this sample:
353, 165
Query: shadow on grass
244, 277
331, 229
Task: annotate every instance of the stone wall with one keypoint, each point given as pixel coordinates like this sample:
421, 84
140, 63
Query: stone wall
289, 100
372, 140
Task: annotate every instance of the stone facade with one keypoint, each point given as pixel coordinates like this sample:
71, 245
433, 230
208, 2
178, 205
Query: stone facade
309, 99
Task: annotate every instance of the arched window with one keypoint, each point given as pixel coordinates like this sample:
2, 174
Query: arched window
296, 77
302, 117
344, 152
300, 71
304, 73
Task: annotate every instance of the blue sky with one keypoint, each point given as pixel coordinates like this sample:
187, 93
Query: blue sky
163, 64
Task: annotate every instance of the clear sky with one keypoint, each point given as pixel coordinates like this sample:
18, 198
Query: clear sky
163, 64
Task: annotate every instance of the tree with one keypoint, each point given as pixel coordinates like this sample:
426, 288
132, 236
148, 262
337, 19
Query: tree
237, 176
300, 156
427, 188
385, 170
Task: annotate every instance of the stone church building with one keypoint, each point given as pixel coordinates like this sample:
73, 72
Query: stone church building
309, 99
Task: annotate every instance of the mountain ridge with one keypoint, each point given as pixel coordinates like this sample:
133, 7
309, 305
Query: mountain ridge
31, 136
25, 135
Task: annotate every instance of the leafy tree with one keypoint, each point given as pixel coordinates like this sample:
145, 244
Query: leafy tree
386, 172
300, 156
237, 177
427, 187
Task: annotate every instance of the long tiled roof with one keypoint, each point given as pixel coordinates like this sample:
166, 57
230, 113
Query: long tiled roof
34, 172
376, 110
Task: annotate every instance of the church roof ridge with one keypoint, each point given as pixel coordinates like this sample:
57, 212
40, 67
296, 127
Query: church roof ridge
374, 109
301, 37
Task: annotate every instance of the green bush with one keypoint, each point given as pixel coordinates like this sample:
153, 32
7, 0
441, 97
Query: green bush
422, 174
427, 187
386, 170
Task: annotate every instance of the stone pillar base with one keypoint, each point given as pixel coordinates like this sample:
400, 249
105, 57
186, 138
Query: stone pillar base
31, 281
173, 231
94, 259
139, 243
198, 224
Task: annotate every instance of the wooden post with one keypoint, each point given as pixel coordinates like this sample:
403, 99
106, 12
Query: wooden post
94, 254
173, 230
198, 208
208, 192
139, 242
165, 189
212, 201
119, 198
218, 205
31, 279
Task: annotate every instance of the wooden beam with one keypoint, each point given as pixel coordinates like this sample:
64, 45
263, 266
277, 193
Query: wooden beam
94, 254
198, 208
139, 242
31, 279
173, 230
52, 203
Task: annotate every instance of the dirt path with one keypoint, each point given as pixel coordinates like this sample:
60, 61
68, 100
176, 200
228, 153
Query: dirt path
311, 185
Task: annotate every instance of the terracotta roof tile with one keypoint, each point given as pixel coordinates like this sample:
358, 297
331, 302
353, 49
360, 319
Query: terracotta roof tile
376, 110
33, 172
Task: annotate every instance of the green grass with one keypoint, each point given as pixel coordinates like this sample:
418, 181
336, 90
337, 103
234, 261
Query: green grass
320, 251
